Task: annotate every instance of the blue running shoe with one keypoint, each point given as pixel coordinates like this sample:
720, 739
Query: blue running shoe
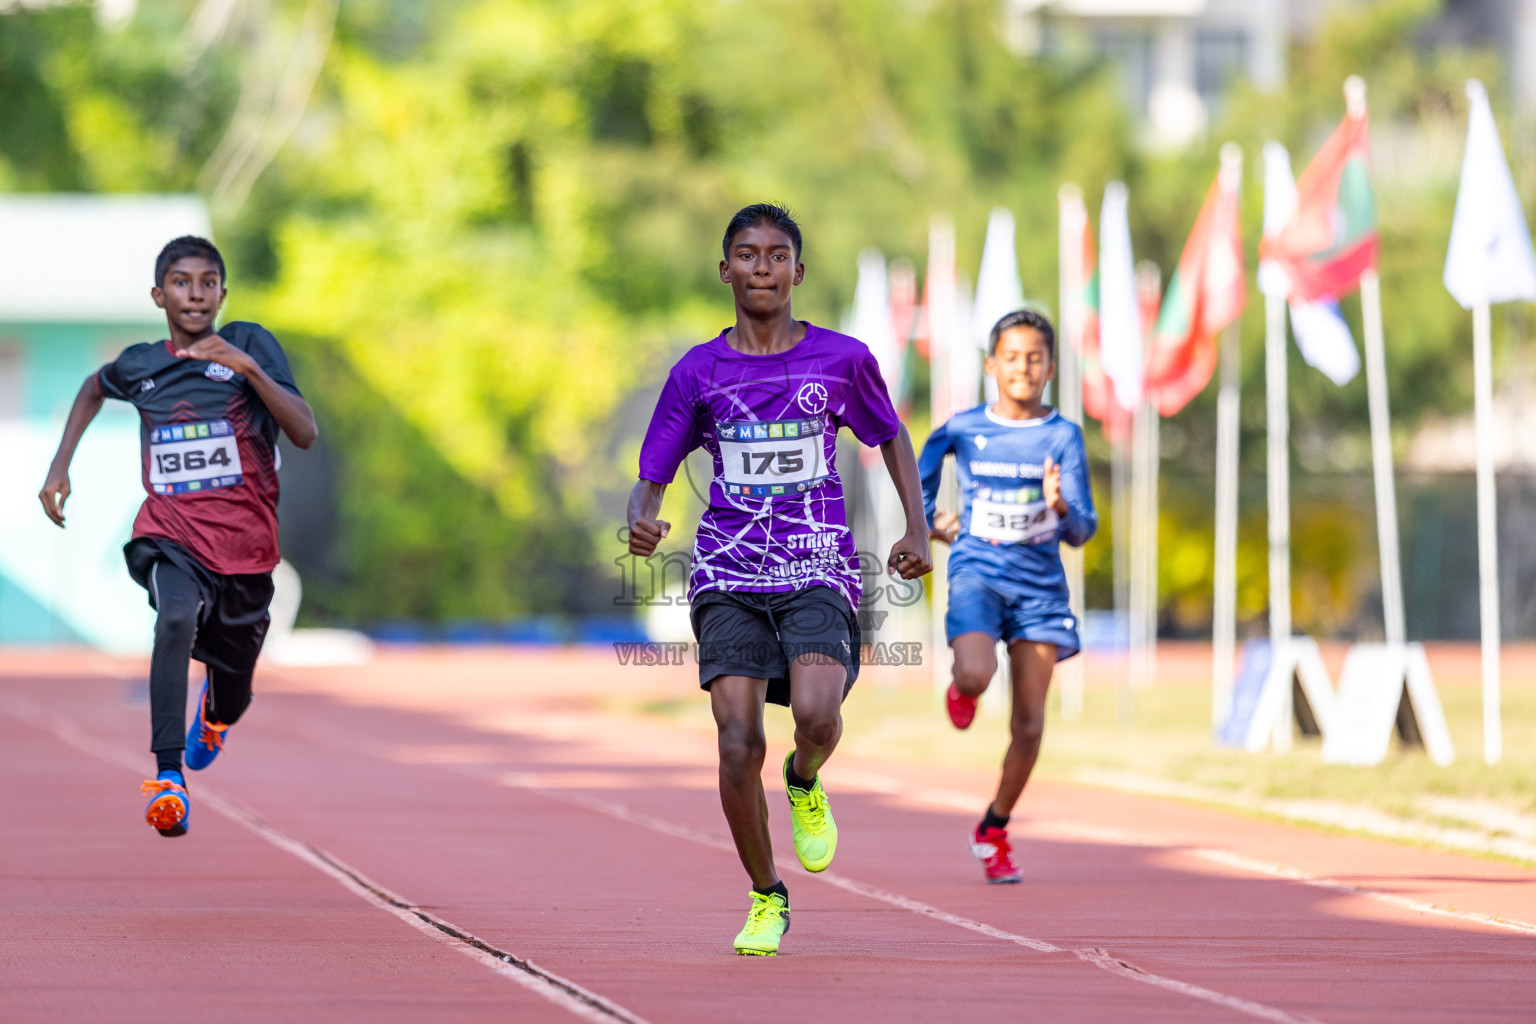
204, 739
168, 806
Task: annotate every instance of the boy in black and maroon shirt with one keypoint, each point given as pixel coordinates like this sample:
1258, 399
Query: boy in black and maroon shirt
205, 541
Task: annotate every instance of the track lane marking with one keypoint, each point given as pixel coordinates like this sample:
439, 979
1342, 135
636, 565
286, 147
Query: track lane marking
1100, 958
561, 991
1096, 957
953, 800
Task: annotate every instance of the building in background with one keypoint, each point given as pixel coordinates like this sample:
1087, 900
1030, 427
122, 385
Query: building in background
1177, 58
75, 275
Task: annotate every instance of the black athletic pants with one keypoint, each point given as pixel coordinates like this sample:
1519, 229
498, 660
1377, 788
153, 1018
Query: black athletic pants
180, 606
219, 620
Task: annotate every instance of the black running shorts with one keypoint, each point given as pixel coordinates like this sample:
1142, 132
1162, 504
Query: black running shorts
758, 635
232, 624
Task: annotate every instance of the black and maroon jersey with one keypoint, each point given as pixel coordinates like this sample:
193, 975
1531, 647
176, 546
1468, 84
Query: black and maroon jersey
208, 445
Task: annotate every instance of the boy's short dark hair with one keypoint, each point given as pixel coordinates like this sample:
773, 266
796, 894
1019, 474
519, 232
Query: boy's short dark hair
771, 214
180, 249
1026, 317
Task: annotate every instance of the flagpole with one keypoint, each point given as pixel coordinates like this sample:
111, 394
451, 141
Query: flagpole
1120, 497
1487, 530
1072, 216
1140, 477
1144, 478
1228, 401
1278, 423
1381, 457
1224, 603
940, 301
1381, 426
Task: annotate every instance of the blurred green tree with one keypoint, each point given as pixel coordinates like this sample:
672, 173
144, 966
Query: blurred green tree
498, 220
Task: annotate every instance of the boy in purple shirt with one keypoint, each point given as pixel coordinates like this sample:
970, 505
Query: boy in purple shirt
775, 583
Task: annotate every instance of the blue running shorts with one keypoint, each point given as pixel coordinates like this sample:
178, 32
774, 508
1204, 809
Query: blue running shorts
975, 606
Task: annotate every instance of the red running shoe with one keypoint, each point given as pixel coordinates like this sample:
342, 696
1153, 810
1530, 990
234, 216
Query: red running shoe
962, 709
992, 849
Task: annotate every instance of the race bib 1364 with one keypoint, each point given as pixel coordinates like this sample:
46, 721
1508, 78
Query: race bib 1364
191, 457
771, 458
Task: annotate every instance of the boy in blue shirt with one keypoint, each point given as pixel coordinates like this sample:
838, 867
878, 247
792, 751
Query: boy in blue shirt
1023, 485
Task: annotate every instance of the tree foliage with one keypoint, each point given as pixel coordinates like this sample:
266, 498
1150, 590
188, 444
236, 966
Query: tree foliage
498, 220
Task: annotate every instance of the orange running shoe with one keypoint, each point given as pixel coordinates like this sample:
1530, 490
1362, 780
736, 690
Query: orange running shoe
168, 807
991, 847
962, 709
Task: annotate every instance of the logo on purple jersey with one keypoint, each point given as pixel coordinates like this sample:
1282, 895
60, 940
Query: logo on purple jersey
812, 398
218, 371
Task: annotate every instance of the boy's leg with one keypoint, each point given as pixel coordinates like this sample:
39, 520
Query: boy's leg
974, 621
817, 683
975, 662
737, 702
229, 694
1031, 664
229, 644
177, 605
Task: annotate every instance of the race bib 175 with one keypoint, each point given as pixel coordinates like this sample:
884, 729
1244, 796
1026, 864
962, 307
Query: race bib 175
191, 457
1012, 517
771, 458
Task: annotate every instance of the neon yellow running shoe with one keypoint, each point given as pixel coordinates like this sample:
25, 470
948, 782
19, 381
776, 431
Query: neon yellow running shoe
767, 922
811, 815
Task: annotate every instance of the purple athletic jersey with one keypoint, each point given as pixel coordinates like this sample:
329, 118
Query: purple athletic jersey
775, 520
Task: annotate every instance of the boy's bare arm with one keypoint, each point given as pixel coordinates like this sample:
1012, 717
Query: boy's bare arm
56, 488
911, 556
645, 530
292, 413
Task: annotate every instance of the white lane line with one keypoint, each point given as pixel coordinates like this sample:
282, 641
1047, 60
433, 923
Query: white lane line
561, 991
1260, 867
1241, 862
953, 800
1099, 958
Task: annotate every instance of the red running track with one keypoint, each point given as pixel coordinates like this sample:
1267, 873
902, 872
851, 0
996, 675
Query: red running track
526, 858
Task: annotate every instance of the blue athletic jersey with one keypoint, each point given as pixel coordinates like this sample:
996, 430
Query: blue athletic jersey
1008, 534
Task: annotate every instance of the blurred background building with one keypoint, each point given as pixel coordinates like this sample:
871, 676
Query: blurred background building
1177, 58
75, 275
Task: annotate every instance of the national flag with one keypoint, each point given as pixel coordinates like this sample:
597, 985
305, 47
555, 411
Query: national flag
1490, 257
1321, 333
1331, 238
1098, 392
1206, 293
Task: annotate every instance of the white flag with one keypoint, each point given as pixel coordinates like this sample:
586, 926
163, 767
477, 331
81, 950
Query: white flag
998, 291
1324, 339
1120, 341
870, 320
939, 316
1321, 333
1490, 257
964, 356
1279, 204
